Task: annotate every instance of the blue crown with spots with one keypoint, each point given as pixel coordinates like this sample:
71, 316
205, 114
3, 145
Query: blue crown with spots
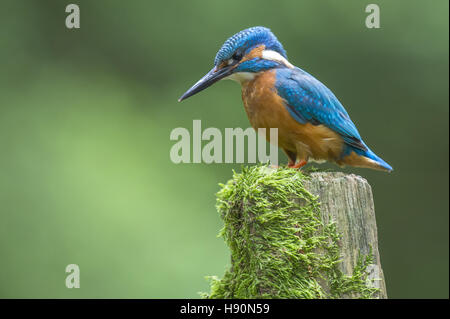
246, 40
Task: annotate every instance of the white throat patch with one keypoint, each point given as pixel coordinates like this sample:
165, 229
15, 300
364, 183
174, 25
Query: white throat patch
241, 77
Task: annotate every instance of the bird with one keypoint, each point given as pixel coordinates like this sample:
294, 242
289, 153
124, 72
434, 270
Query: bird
312, 124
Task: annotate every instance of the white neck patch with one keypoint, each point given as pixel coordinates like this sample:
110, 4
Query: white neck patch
241, 77
275, 56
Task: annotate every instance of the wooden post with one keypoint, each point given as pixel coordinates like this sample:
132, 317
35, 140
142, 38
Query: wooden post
347, 200
299, 236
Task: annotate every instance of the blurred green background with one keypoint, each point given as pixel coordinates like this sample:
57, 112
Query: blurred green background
85, 118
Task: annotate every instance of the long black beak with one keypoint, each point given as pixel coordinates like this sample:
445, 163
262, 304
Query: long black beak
209, 79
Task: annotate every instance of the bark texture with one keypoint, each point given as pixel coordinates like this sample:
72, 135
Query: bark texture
347, 200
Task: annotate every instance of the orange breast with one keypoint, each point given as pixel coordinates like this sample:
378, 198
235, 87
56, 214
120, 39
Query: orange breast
266, 109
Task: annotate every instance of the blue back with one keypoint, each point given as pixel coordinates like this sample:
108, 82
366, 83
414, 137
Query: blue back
308, 100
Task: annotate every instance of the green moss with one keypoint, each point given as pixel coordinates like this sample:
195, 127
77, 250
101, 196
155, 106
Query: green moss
280, 248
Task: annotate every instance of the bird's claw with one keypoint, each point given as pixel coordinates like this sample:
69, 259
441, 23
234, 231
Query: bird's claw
297, 165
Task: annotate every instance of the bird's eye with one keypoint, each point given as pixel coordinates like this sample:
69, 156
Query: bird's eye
237, 56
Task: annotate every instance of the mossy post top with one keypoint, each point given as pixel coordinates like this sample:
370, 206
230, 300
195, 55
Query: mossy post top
286, 243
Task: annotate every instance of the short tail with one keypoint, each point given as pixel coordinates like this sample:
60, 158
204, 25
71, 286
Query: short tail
357, 157
374, 161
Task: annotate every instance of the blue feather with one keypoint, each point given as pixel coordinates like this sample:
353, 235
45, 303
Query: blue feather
369, 154
256, 65
310, 101
246, 40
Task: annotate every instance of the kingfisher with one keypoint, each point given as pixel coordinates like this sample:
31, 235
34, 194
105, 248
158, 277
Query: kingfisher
312, 124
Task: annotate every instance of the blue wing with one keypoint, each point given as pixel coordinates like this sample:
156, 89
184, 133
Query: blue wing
309, 101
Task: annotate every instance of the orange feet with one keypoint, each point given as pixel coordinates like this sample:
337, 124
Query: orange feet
297, 165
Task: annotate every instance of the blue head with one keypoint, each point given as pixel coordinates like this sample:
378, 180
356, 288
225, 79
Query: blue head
243, 42
248, 52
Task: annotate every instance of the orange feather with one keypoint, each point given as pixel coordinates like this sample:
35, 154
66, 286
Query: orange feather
266, 109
